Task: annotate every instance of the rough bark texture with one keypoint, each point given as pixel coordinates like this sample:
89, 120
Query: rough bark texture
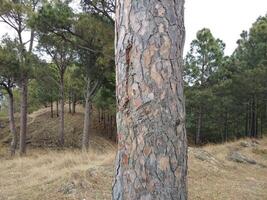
12, 124
152, 149
23, 115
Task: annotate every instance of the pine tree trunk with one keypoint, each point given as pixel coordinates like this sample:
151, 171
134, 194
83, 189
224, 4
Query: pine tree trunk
87, 118
74, 104
99, 115
70, 103
199, 124
261, 124
247, 120
23, 116
253, 118
12, 126
226, 126
151, 162
111, 127
57, 108
256, 118
52, 108
61, 128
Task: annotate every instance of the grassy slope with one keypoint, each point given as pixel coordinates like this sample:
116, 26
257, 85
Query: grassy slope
70, 174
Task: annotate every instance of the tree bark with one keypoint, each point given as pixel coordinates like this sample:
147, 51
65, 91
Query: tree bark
99, 115
74, 103
52, 108
61, 128
12, 126
253, 118
226, 126
199, 124
87, 123
90, 91
57, 108
23, 115
151, 162
247, 120
70, 103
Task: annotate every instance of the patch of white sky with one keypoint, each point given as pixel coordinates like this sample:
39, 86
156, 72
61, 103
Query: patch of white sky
226, 19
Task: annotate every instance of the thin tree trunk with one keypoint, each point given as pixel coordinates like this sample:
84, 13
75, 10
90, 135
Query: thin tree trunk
226, 126
61, 129
247, 121
102, 115
70, 103
87, 118
12, 126
111, 127
90, 91
104, 119
261, 124
23, 116
74, 104
87, 123
199, 124
151, 162
253, 118
52, 108
57, 108
99, 115
256, 117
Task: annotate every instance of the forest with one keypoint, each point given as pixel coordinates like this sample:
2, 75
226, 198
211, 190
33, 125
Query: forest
63, 92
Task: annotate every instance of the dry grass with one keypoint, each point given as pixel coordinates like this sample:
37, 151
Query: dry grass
227, 179
72, 175
56, 175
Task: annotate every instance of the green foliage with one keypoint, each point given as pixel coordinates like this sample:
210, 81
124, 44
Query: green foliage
231, 91
87, 37
9, 61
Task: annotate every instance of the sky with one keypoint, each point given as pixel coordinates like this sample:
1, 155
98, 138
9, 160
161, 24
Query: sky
225, 18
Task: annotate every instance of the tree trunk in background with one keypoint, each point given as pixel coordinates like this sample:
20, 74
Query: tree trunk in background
102, 115
52, 108
74, 104
247, 121
23, 115
99, 115
90, 91
70, 103
253, 118
12, 126
61, 127
104, 120
87, 119
87, 123
111, 127
151, 162
57, 108
226, 126
256, 118
261, 124
199, 124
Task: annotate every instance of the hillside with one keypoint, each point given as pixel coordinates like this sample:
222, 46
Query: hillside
231, 171
43, 131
